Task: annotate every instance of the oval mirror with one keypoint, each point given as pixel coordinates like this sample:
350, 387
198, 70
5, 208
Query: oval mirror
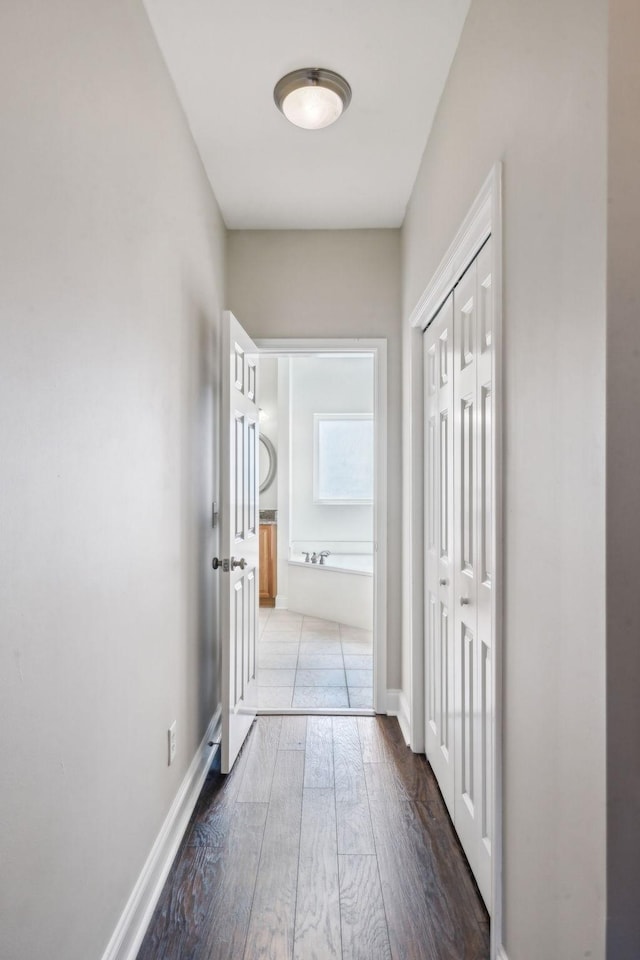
268, 462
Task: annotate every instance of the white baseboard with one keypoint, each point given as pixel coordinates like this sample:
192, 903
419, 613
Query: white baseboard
135, 919
398, 706
282, 603
502, 954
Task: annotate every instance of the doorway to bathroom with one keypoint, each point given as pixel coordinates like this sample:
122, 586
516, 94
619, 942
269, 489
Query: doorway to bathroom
323, 516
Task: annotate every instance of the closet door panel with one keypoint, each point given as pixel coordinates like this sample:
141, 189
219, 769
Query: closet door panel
473, 519
459, 559
439, 638
465, 357
485, 554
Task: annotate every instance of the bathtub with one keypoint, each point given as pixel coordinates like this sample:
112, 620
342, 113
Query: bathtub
341, 589
353, 562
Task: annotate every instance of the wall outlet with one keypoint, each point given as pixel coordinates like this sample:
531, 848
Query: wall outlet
171, 739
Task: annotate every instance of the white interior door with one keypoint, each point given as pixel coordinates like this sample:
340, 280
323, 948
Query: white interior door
239, 532
473, 523
459, 537
438, 384
485, 699
465, 567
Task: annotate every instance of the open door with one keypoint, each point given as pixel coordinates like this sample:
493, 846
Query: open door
239, 529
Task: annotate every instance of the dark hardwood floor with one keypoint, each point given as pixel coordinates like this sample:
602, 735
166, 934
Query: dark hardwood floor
328, 840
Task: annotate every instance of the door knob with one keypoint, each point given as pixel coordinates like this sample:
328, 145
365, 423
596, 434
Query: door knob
228, 565
444, 582
464, 601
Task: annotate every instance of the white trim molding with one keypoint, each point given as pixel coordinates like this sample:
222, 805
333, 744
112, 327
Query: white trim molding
474, 231
398, 706
136, 916
483, 220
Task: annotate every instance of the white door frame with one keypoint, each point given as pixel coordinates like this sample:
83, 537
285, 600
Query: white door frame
484, 219
378, 349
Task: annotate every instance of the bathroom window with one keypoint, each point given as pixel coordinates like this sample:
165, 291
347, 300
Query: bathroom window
343, 458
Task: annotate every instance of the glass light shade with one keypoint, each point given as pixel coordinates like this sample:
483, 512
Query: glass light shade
312, 107
312, 97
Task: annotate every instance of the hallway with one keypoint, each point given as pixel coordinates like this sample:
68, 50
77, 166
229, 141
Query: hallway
328, 840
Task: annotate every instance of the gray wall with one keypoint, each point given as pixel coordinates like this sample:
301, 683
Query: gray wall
330, 283
528, 86
623, 489
112, 253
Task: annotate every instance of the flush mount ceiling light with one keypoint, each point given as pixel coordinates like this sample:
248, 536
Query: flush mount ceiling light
312, 97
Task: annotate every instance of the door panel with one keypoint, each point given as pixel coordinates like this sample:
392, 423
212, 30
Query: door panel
445, 678
251, 479
251, 636
486, 693
459, 558
238, 537
237, 632
484, 599
433, 671
467, 493
439, 638
465, 330
432, 487
445, 469
238, 477
486, 485
466, 720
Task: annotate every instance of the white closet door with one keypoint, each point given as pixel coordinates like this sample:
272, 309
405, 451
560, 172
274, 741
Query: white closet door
473, 695
459, 552
485, 711
439, 676
465, 562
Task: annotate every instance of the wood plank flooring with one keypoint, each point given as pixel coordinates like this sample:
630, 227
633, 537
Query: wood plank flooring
329, 840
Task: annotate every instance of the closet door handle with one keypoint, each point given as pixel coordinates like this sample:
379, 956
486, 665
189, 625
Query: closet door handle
464, 601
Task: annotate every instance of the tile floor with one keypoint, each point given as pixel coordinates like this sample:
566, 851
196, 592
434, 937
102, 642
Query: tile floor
304, 662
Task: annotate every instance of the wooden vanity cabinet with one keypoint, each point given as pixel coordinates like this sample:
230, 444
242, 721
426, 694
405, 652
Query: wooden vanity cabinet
268, 564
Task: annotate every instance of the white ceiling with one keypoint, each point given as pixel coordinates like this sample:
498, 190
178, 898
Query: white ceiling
225, 58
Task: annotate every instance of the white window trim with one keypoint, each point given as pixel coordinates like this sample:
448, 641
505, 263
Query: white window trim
323, 501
